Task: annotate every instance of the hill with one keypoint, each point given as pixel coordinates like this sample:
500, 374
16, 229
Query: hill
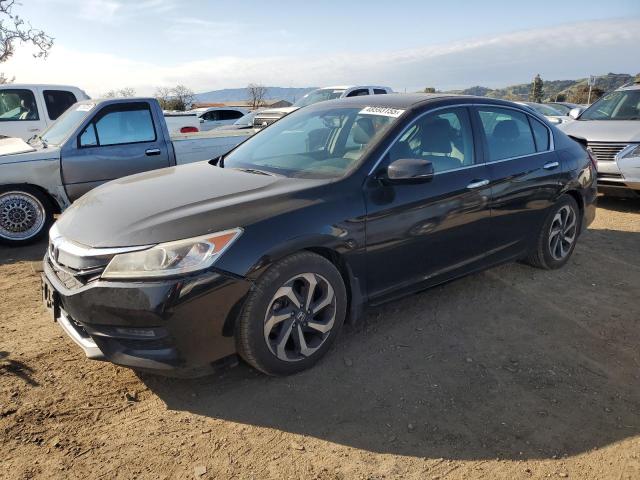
572, 90
240, 94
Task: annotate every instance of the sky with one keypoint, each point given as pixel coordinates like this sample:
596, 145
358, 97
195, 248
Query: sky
102, 45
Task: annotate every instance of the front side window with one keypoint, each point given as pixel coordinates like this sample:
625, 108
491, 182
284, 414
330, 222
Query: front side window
57, 102
507, 133
18, 104
316, 143
444, 138
619, 105
120, 124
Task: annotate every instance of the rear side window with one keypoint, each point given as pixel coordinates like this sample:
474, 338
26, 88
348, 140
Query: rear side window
57, 102
230, 114
379, 91
507, 132
540, 134
120, 124
18, 105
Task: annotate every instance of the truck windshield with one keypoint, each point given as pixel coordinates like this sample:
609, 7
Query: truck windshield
60, 130
315, 143
319, 95
618, 105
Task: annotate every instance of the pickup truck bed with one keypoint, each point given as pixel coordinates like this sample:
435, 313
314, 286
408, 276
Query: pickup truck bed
194, 147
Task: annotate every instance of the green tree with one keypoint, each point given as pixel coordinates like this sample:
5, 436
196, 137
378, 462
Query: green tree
430, 90
537, 92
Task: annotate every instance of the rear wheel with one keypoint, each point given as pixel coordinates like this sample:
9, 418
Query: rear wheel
293, 315
25, 215
557, 239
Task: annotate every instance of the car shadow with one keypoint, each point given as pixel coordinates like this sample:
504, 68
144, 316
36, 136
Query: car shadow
619, 204
29, 253
513, 363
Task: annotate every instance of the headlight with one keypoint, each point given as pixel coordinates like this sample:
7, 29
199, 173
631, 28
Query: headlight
629, 151
172, 258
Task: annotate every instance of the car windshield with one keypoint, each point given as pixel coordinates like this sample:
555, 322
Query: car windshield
319, 95
619, 105
315, 143
246, 119
544, 109
563, 109
66, 124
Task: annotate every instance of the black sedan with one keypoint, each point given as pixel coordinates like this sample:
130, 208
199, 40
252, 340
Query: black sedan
267, 251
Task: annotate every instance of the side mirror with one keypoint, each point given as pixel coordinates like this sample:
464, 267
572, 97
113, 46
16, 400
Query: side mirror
409, 170
575, 112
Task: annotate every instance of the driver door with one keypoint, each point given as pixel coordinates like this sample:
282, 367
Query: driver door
423, 234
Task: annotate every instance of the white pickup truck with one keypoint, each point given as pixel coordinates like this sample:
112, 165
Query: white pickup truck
93, 142
27, 109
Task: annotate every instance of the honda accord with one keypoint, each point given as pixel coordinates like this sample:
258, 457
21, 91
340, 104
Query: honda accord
265, 252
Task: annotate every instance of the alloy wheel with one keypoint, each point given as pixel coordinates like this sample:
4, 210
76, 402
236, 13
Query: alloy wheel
300, 317
563, 231
22, 215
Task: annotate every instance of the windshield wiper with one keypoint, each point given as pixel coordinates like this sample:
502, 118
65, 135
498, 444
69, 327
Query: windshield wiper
38, 137
254, 170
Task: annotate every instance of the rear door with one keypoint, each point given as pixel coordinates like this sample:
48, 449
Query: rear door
121, 139
21, 115
525, 174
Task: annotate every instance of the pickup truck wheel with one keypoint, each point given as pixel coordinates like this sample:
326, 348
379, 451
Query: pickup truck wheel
25, 215
292, 315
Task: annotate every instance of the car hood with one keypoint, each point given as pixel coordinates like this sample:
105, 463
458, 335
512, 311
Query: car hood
277, 111
14, 150
621, 131
175, 203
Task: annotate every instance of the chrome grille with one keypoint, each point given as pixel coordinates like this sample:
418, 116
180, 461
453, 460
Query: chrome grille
604, 151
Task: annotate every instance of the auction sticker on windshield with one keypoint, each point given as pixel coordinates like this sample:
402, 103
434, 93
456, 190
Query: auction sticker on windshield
85, 107
384, 111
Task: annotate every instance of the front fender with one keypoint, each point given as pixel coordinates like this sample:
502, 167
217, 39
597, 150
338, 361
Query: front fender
44, 174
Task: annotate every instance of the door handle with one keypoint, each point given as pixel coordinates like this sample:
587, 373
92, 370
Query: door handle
152, 151
34, 129
478, 184
550, 165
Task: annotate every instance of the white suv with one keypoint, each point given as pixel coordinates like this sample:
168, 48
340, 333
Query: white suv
27, 110
611, 127
267, 117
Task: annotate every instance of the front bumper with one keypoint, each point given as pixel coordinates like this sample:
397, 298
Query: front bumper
621, 173
179, 327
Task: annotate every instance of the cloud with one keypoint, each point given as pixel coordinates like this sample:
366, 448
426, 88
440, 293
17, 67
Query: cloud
566, 51
111, 11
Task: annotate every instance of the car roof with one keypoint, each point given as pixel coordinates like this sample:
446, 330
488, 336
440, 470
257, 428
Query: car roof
38, 85
347, 87
392, 100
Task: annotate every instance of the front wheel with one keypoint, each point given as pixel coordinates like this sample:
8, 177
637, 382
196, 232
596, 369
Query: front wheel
557, 239
25, 215
293, 315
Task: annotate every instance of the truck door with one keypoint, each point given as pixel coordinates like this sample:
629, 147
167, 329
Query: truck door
121, 139
20, 115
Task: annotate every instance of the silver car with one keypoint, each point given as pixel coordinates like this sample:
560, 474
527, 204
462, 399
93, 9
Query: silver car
611, 127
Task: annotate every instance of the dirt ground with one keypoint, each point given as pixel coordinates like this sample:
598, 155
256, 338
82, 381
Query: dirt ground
510, 373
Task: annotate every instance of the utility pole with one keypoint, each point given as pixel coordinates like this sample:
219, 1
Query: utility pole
592, 81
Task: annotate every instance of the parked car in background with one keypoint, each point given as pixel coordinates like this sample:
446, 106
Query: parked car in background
268, 116
244, 122
215, 117
266, 251
553, 115
90, 144
611, 127
564, 107
181, 122
28, 109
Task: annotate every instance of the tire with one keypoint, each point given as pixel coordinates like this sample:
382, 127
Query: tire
270, 325
25, 215
558, 236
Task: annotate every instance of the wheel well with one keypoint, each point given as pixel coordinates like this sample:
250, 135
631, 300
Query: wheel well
578, 198
52, 200
338, 261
